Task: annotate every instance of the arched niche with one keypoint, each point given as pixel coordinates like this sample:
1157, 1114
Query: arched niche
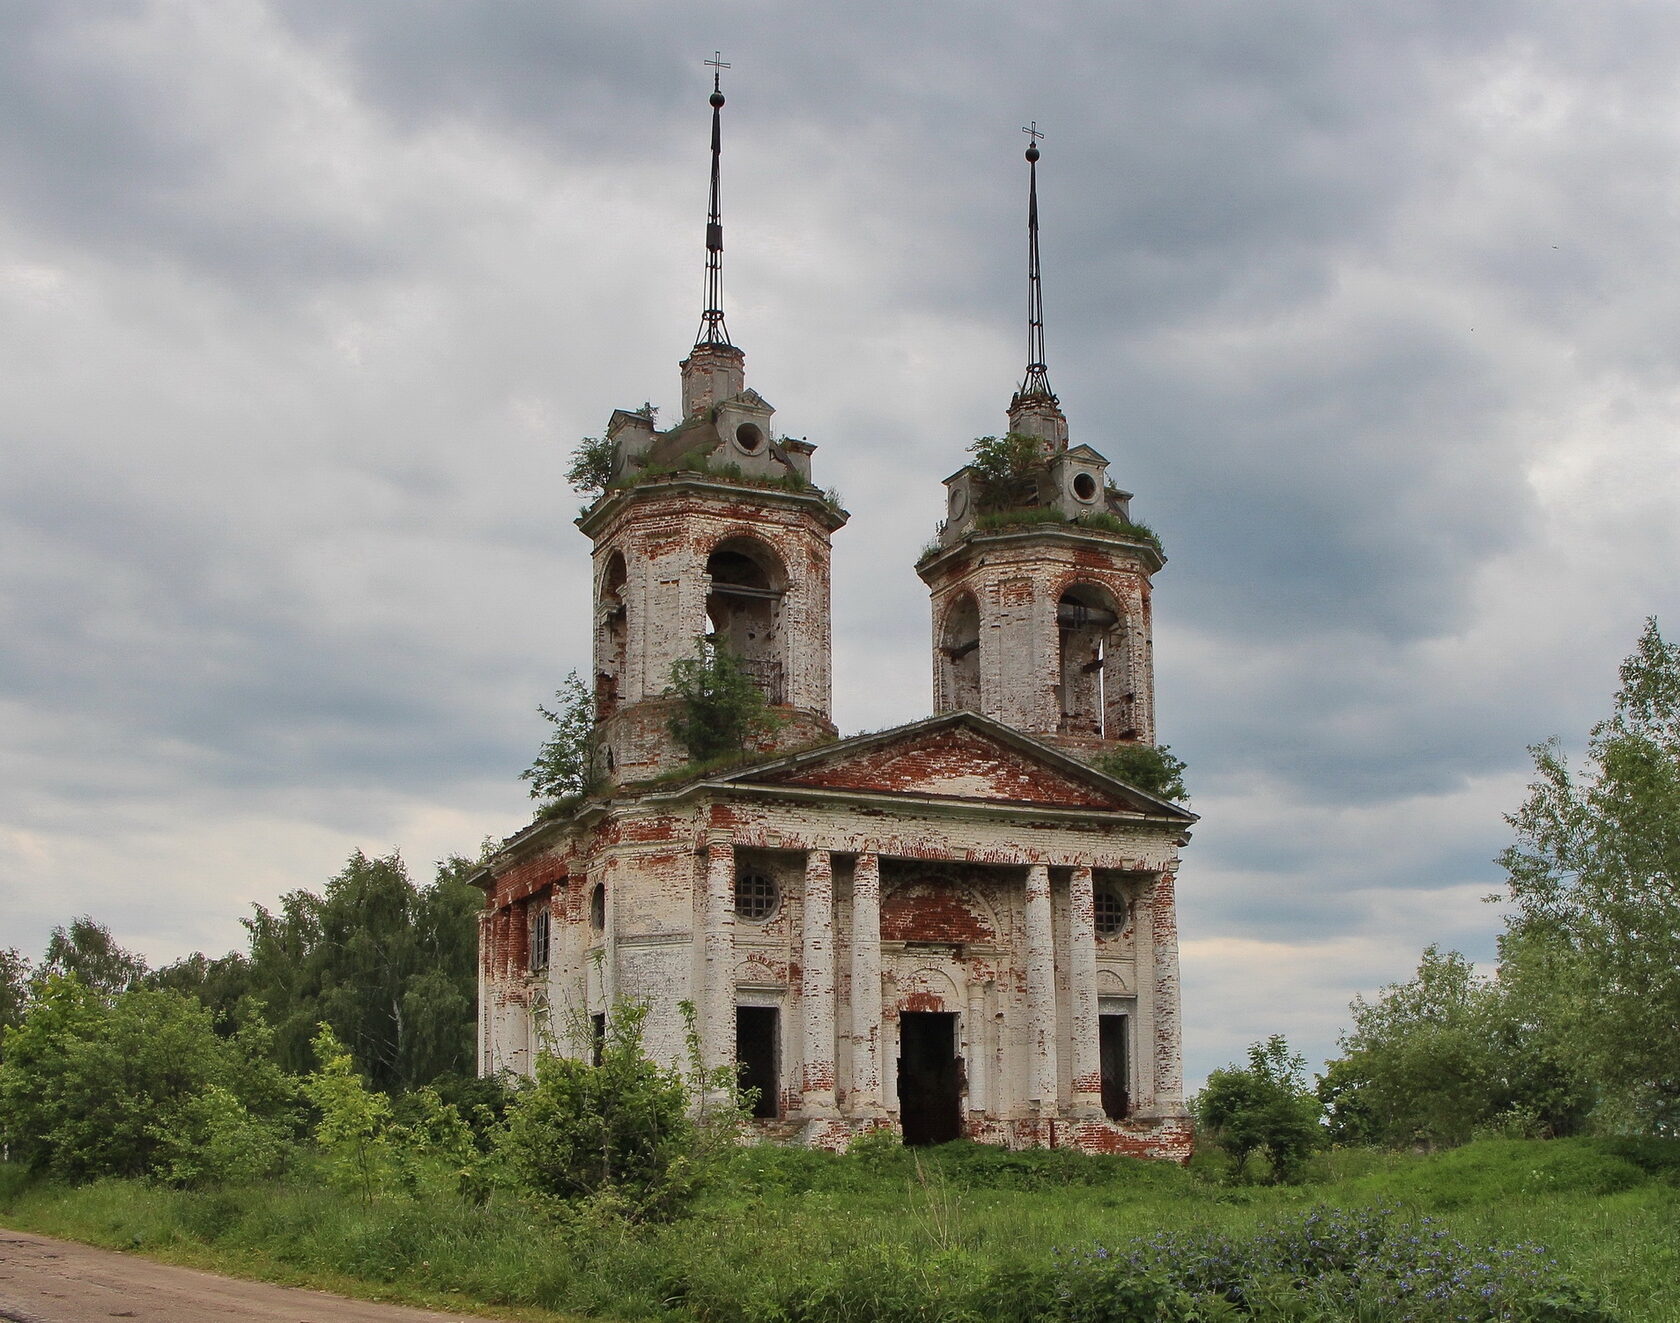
611, 634
747, 583
959, 654
1091, 672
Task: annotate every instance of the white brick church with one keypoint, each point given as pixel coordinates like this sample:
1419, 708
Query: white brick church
953, 928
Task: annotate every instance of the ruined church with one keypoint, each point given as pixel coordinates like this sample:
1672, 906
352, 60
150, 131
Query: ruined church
954, 928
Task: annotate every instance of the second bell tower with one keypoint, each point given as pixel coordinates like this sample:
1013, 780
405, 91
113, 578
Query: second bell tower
1040, 578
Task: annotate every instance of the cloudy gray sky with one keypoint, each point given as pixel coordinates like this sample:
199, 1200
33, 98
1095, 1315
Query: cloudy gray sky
304, 303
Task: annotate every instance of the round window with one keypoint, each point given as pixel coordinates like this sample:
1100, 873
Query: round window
598, 907
749, 437
1110, 907
1085, 487
959, 503
755, 896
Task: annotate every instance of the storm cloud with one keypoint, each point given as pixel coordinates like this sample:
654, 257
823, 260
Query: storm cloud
303, 306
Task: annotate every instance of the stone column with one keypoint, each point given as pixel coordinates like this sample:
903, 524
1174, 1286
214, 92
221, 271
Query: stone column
977, 1062
1041, 990
1143, 945
1082, 985
816, 985
717, 1013
865, 1097
1169, 1070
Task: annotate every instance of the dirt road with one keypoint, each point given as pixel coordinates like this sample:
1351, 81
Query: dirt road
55, 1281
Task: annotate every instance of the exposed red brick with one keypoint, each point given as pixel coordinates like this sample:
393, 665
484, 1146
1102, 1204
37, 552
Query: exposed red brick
932, 912
961, 763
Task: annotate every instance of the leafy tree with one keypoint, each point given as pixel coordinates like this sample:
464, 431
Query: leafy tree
15, 972
592, 465
391, 966
1151, 768
722, 709
565, 767
222, 983
1265, 1107
86, 951
620, 1132
1006, 469
354, 1122
1443, 1056
137, 1084
1594, 940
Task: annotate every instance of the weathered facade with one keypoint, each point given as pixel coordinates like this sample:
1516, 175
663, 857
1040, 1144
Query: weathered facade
955, 927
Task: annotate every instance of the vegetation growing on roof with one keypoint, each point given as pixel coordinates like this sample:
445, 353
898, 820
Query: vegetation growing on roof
1006, 470
591, 468
1100, 521
1151, 768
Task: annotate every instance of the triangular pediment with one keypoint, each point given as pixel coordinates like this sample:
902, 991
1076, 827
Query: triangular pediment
955, 757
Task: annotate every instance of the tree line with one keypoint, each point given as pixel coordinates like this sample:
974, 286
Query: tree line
1579, 1029
391, 965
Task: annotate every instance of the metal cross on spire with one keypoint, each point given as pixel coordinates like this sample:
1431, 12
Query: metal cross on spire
1037, 381
712, 329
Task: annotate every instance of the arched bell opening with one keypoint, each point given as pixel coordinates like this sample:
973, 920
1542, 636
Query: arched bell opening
1091, 678
959, 655
611, 635
744, 608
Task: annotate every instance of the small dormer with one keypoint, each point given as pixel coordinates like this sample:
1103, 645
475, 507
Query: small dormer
631, 433
1078, 482
962, 501
797, 452
743, 426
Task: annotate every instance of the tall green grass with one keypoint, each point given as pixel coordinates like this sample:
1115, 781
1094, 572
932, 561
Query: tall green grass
891, 1233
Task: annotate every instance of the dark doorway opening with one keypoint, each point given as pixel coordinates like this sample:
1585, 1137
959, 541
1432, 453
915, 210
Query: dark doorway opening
756, 1044
929, 1077
1116, 1068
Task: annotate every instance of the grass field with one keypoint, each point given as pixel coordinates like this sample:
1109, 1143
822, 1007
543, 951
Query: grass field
937, 1235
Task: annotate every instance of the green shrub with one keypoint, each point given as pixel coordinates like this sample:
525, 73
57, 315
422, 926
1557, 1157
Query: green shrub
1152, 768
138, 1084
722, 710
354, 1121
619, 1133
1264, 1108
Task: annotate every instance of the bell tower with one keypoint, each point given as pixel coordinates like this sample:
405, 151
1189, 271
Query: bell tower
1040, 579
709, 534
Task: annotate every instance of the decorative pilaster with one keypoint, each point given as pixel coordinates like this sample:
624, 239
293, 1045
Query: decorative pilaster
816, 984
717, 1028
1082, 985
1168, 1072
865, 1097
1143, 1086
1041, 989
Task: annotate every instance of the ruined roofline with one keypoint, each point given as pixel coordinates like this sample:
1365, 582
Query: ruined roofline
1069, 532
740, 778
833, 517
1004, 734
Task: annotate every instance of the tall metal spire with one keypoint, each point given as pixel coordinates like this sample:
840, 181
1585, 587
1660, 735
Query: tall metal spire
1037, 380
712, 329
